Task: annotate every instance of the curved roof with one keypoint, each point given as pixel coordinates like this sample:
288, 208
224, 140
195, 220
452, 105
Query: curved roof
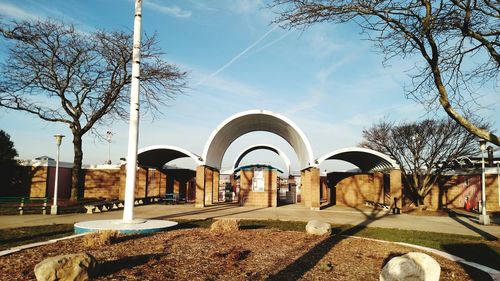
256, 120
262, 146
157, 156
367, 160
257, 166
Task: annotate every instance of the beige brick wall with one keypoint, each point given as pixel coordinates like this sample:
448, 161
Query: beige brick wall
451, 192
39, 181
100, 183
200, 187
354, 190
267, 198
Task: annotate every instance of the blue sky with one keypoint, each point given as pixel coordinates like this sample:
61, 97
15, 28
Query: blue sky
326, 79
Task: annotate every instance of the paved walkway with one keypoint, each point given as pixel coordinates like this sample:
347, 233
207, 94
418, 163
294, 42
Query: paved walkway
336, 214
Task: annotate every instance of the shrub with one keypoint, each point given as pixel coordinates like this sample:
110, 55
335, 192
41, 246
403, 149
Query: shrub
101, 238
225, 226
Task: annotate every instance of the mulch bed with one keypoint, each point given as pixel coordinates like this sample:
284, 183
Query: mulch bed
198, 254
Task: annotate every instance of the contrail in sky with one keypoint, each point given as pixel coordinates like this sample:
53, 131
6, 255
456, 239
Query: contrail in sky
229, 63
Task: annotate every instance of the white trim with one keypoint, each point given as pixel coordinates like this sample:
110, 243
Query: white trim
325, 157
45, 163
197, 159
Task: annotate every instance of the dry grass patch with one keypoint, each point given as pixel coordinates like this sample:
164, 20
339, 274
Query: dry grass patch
100, 238
225, 226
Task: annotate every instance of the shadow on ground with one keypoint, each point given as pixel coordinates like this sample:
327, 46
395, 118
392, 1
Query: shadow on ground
477, 252
110, 267
484, 234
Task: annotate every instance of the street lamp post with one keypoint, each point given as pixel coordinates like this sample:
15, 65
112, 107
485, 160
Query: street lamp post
109, 136
483, 218
53, 209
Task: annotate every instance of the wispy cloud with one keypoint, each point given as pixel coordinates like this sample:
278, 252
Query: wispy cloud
245, 6
235, 58
321, 44
283, 36
313, 98
15, 12
168, 10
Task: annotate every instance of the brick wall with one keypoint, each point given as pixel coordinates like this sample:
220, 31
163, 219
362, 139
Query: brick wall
102, 183
267, 198
354, 189
450, 192
39, 181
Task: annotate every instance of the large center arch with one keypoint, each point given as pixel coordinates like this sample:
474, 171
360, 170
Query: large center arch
266, 147
367, 160
157, 156
256, 120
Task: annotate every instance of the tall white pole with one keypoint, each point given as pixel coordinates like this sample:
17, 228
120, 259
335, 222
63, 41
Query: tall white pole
133, 131
483, 218
54, 208
483, 186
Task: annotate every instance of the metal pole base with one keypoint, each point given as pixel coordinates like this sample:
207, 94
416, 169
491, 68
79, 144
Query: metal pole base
53, 210
484, 219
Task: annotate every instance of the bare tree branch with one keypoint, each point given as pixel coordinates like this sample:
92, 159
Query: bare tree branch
59, 74
459, 41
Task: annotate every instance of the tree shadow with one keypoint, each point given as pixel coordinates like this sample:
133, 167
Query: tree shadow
109, 267
475, 252
311, 258
483, 233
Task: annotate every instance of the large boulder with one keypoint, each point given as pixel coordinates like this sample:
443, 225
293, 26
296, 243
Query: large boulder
317, 227
412, 266
73, 267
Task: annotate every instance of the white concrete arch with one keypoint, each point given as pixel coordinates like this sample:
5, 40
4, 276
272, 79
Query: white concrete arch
367, 160
266, 147
156, 156
256, 120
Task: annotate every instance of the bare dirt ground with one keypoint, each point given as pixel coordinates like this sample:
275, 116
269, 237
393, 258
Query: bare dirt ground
198, 254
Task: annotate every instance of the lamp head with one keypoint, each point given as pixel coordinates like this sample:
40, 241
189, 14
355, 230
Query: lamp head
59, 138
482, 144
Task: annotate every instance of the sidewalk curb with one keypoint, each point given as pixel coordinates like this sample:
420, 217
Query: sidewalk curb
36, 244
494, 274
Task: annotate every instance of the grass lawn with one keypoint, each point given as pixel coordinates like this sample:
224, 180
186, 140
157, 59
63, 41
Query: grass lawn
471, 248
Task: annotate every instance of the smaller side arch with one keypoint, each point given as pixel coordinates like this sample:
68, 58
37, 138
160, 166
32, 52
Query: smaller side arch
157, 156
367, 160
262, 146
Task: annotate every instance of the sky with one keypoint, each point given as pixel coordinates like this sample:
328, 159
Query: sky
326, 79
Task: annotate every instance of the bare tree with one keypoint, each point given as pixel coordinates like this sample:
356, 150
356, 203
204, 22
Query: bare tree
423, 150
457, 39
60, 74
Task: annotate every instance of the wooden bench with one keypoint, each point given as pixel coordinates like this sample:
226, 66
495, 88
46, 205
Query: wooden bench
25, 203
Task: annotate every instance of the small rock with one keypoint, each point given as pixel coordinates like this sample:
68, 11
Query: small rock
73, 267
412, 266
317, 227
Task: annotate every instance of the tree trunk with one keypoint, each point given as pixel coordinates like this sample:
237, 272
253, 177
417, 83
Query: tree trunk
77, 166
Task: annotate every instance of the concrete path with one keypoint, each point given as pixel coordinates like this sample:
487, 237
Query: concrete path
336, 214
